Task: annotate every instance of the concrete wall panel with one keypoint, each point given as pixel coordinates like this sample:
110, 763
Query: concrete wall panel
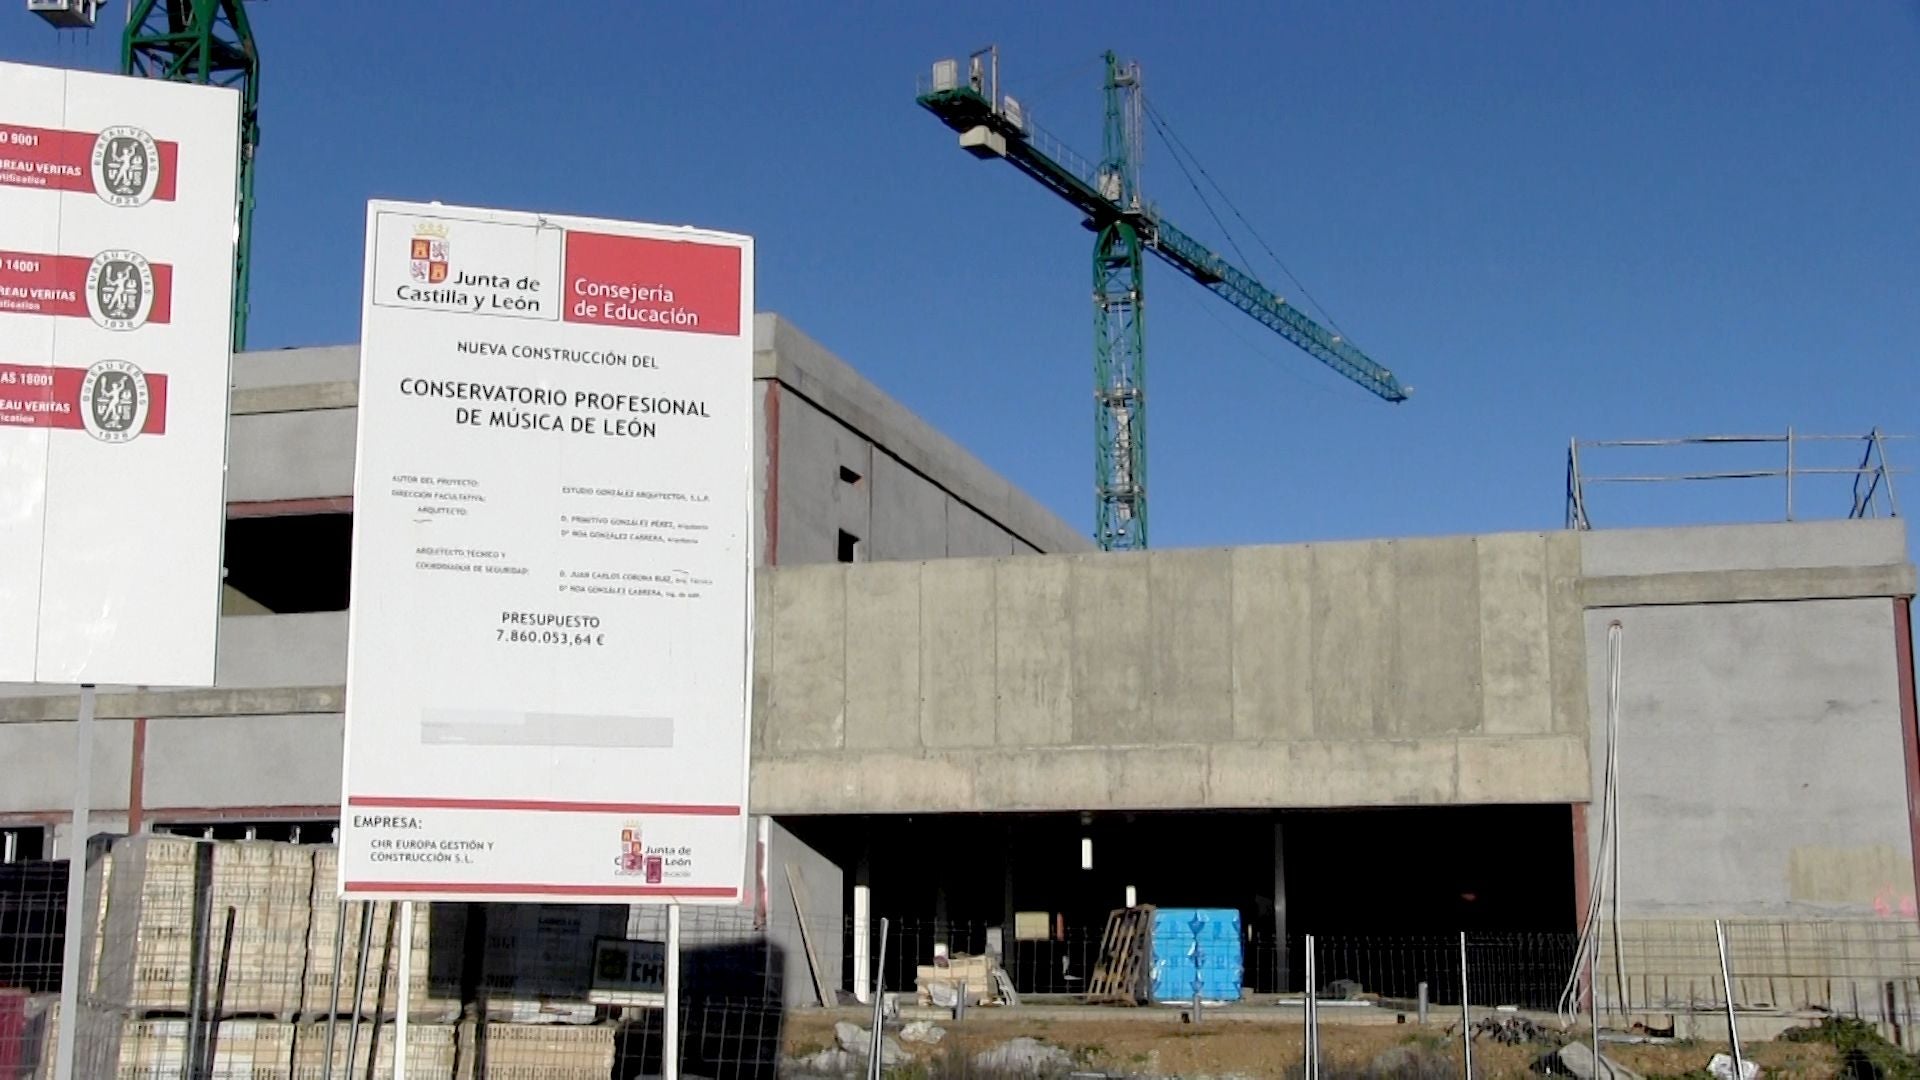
1272, 642
283, 650
971, 536
1757, 743
1566, 634
1353, 643
1112, 650
909, 513
37, 765
296, 455
806, 704
179, 750
763, 658
1191, 600
822, 891
957, 654
1515, 643
815, 504
1033, 652
1436, 638
883, 657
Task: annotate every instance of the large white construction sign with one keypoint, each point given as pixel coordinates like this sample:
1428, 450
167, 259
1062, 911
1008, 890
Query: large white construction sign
117, 211
547, 686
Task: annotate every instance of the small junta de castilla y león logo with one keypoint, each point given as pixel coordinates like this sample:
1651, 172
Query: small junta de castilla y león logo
427, 253
633, 853
126, 166
120, 290
114, 401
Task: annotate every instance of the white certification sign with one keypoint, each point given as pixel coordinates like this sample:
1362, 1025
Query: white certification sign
547, 692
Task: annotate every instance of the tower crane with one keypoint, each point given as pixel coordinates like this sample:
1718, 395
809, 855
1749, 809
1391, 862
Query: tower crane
1125, 225
191, 41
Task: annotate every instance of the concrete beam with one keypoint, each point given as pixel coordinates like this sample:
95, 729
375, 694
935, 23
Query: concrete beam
301, 398
277, 701
1748, 586
1275, 775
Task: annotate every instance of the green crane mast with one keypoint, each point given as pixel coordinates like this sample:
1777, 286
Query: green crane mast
208, 42
1124, 225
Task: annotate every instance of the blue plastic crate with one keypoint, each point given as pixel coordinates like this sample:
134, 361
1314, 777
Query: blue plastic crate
1196, 949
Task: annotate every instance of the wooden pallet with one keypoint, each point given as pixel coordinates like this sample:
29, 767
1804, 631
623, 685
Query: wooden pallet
1126, 950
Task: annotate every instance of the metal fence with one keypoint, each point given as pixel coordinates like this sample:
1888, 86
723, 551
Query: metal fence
1527, 970
233, 959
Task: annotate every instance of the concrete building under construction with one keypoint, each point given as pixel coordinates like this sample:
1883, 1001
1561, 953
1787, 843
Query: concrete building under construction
965, 718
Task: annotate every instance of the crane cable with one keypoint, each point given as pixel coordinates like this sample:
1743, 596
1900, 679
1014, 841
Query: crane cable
1177, 146
1605, 883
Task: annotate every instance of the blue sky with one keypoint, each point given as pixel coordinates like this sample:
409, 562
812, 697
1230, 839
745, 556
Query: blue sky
1552, 220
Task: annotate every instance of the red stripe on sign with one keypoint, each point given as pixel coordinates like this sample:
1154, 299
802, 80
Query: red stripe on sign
672, 285
501, 888
49, 397
56, 160
385, 802
34, 284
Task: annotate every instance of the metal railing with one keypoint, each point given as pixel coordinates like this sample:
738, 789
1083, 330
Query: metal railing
1871, 479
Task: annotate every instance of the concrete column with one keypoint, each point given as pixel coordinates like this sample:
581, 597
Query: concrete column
863, 922
1006, 900
1280, 903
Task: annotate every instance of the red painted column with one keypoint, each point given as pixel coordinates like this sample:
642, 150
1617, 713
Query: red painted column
1582, 869
1909, 718
137, 776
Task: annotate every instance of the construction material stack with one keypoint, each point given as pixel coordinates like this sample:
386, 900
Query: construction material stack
237, 954
1197, 954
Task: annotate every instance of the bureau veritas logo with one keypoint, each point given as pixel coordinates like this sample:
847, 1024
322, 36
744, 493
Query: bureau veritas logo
113, 401
126, 166
428, 253
120, 290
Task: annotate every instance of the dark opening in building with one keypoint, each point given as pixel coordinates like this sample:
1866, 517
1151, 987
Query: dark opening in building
848, 476
319, 831
1386, 892
850, 548
290, 563
23, 844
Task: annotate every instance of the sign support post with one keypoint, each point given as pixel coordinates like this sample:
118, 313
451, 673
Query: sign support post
670, 1053
70, 970
406, 991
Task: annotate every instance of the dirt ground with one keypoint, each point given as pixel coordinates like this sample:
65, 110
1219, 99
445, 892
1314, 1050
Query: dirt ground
1221, 1047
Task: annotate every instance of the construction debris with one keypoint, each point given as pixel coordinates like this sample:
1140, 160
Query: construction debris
922, 1031
1513, 1031
1576, 1060
1120, 975
855, 1041
941, 984
1341, 990
1029, 1057
1721, 1066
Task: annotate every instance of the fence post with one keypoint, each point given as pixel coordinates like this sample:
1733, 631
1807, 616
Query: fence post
1312, 1017
879, 1006
71, 957
1466, 1016
1423, 1003
1726, 984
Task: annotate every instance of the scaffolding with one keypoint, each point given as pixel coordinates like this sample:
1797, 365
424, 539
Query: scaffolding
1872, 479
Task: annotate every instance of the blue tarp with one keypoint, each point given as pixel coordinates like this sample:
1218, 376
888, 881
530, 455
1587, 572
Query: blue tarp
1196, 948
